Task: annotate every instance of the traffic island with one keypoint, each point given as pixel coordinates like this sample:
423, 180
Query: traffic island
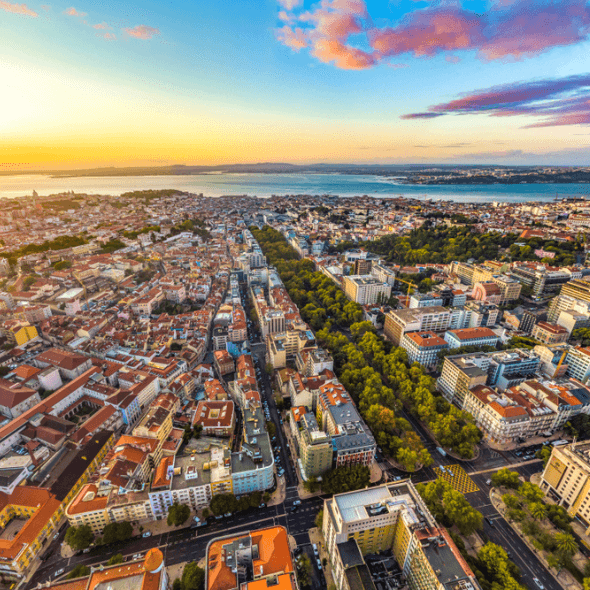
562, 576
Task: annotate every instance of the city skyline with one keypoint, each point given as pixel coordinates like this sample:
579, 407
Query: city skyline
342, 81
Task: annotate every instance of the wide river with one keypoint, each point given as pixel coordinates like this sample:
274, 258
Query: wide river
266, 185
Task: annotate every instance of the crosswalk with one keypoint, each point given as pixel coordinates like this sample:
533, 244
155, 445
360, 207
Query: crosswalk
457, 477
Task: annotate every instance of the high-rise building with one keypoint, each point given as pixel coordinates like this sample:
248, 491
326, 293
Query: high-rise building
399, 322
365, 289
391, 517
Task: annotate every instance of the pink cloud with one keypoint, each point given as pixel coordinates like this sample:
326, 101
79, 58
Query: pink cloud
343, 56
46, 7
21, 9
142, 32
290, 4
109, 36
73, 12
100, 26
561, 101
427, 32
286, 17
453, 59
511, 29
296, 39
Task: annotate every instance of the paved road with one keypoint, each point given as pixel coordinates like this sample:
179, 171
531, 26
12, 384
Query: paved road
187, 544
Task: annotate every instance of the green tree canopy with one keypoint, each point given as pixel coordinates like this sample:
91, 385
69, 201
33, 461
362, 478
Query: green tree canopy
178, 514
79, 538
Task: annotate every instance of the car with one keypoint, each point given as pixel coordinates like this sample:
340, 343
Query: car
490, 522
489, 482
137, 556
263, 505
227, 514
87, 550
58, 572
56, 535
297, 502
294, 508
539, 583
147, 534
315, 549
319, 564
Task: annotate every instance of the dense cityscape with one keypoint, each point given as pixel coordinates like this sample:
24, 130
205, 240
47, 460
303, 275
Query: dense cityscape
305, 391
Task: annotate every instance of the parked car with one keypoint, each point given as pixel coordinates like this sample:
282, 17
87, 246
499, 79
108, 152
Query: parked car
147, 534
297, 502
539, 583
137, 556
59, 572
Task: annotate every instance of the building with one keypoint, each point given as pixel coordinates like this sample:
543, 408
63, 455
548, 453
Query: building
366, 289
550, 334
315, 446
397, 323
577, 289
224, 363
257, 560
471, 337
509, 288
487, 291
566, 479
391, 517
423, 348
146, 573
460, 374
217, 418
17, 332
541, 280
15, 399
578, 363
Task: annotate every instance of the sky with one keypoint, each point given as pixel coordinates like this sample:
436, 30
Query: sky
349, 81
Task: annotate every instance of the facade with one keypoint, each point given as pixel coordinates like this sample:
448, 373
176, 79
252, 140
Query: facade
550, 334
423, 348
471, 337
391, 517
366, 289
578, 363
566, 479
397, 323
315, 447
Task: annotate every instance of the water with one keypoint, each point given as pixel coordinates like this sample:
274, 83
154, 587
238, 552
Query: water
265, 185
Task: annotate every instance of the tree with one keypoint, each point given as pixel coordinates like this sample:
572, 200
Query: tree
79, 538
346, 479
537, 510
223, 503
78, 572
566, 544
304, 571
178, 514
116, 532
115, 559
193, 577
271, 428
206, 513
506, 478
544, 453
319, 519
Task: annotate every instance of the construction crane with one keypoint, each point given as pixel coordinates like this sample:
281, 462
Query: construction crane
410, 284
560, 363
83, 287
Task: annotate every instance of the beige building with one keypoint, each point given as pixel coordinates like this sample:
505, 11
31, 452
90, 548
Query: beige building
397, 323
391, 517
461, 373
566, 479
549, 334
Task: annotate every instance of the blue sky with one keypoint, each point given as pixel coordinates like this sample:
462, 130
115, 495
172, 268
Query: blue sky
291, 80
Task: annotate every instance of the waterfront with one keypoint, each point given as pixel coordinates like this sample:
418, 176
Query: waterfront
266, 185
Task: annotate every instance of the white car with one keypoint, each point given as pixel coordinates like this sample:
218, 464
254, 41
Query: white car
147, 534
539, 583
59, 572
